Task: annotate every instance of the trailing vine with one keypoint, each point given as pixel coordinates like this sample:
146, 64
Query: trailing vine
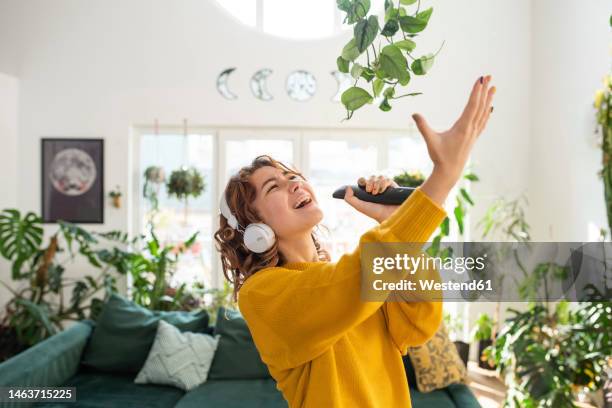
384, 69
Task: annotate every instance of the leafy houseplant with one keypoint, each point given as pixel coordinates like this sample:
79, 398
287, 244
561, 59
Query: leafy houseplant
39, 308
384, 69
410, 179
115, 195
483, 333
546, 357
185, 183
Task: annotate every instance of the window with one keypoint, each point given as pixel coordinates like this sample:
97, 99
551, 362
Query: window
328, 158
296, 19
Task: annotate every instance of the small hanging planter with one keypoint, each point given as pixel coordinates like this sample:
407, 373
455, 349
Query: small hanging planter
185, 183
115, 196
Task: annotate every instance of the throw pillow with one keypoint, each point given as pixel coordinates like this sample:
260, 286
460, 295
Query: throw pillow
236, 356
178, 359
125, 332
437, 363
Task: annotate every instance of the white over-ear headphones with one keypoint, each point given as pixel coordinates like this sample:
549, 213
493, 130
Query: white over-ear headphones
257, 237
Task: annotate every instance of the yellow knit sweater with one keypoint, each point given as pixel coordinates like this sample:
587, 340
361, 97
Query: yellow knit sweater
323, 345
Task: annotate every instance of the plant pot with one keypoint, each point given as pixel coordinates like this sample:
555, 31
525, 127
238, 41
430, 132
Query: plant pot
482, 345
116, 201
464, 351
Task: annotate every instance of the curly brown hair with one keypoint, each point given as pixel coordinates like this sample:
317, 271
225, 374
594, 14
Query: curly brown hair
237, 261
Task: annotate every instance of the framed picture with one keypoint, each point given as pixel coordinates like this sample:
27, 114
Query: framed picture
72, 180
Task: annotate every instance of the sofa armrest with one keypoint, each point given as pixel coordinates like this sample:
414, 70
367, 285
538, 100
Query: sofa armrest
462, 396
49, 363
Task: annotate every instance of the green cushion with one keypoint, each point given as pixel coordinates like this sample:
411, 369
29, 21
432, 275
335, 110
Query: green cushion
236, 356
125, 332
234, 394
434, 399
101, 390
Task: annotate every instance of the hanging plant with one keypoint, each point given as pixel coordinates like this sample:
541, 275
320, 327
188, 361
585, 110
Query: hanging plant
185, 183
410, 179
154, 177
115, 196
603, 102
384, 69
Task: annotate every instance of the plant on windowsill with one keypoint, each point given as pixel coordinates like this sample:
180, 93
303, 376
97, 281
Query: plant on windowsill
184, 183
484, 333
454, 325
384, 68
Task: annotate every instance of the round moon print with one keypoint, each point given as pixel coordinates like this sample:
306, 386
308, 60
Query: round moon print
73, 172
301, 85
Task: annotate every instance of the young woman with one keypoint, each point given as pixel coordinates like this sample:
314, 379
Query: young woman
323, 345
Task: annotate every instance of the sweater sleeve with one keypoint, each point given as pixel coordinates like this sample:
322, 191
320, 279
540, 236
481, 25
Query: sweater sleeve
295, 315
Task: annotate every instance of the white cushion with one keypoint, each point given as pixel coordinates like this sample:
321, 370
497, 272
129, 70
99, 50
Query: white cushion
178, 359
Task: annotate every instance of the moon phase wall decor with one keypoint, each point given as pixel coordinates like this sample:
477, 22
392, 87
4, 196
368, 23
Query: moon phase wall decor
259, 85
222, 85
72, 175
301, 85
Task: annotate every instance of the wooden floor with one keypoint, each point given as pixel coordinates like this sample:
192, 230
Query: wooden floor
485, 384
490, 390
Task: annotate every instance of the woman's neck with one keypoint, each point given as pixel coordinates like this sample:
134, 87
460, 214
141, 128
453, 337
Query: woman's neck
300, 248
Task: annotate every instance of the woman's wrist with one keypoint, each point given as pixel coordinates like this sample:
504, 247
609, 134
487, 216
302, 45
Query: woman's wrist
439, 184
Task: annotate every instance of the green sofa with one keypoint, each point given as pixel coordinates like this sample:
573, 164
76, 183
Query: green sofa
238, 378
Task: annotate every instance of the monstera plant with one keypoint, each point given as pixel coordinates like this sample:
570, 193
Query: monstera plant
39, 307
387, 63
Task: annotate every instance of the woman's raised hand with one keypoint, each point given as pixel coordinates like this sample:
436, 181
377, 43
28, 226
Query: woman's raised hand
450, 150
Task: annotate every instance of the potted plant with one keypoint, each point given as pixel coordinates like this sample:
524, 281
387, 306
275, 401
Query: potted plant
483, 333
455, 328
184, 183
154, 177
410, 179
115, 196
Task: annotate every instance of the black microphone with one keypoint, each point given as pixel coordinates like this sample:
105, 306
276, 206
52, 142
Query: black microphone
392, 195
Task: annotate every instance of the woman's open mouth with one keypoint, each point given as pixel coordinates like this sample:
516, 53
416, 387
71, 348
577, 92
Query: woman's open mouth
303, 202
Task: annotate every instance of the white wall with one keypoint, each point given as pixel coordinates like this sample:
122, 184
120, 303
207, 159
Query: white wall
96, 68
9, 100
571, 53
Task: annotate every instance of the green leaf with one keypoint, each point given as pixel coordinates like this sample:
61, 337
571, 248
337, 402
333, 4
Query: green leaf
459, 218
19, 237
377, 86
466, 196
343, 65
389, 92
356, 70
350, 52
471, 177
406, 45
407, 2
367, 74
390, 28
412, 24
355, 97
425, 15
344, 5
365, 32
404, 81
358, 10
422, 65
445, 227
394, 63
384, 105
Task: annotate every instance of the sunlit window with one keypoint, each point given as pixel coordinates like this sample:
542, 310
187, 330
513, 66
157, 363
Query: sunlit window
296, 19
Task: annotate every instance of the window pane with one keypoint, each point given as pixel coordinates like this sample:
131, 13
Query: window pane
316, 18
243, 10
172, 223
408, 153
334, 163
240, 153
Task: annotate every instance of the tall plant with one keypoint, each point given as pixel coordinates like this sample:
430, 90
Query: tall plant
384, 69
603, 104
38, 307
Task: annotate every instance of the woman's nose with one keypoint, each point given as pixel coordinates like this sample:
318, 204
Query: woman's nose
294, 185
